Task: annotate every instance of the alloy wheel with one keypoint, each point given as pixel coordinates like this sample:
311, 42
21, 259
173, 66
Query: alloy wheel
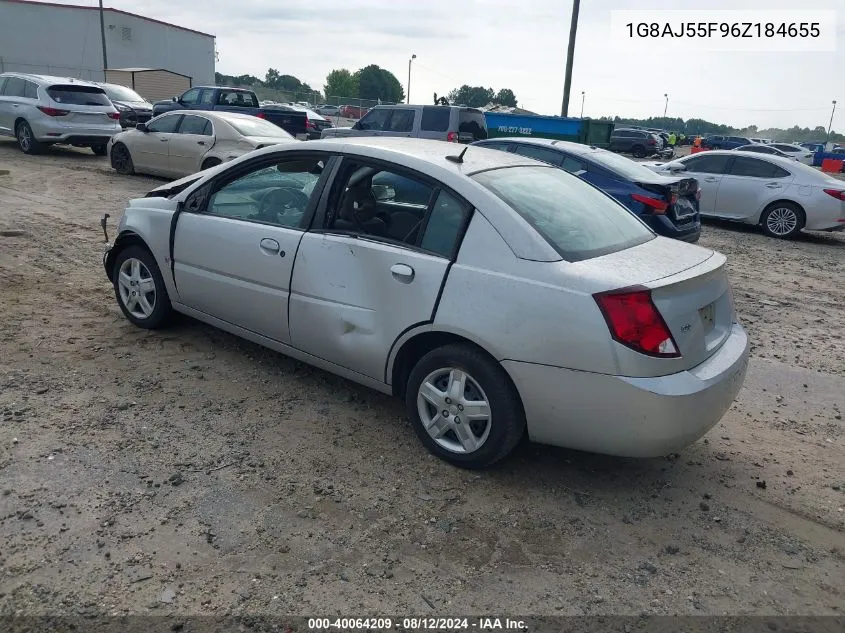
137, 288
454, 410
782, 221
24, 137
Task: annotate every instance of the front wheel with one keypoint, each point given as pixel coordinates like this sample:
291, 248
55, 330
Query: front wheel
783, 220
464, 407
121, 160
99, 150
139, 288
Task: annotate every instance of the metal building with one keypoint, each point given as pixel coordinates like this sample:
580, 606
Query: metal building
65, 40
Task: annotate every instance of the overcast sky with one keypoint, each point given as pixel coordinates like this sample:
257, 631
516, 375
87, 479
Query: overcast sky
520, 45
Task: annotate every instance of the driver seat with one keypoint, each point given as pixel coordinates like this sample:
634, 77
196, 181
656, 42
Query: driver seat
358, 210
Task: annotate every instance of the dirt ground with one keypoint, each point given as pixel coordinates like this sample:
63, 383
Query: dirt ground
186, 471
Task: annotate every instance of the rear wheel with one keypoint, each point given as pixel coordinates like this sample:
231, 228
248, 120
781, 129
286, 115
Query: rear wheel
139, 288
121, 159
783, 219
638, 151
26, 139
99, 150
208, 163
464, 407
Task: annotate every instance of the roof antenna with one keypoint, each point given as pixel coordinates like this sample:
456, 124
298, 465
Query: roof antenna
459, 158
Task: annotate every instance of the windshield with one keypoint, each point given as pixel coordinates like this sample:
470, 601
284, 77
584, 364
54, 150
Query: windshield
577, 219
122, 93
79, 95
253, 126
621, 166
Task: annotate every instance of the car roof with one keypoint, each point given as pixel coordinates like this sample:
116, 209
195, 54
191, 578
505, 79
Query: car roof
212, 114
568, 146
772, 158
51, 79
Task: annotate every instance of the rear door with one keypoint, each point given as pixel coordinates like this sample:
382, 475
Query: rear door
194, 137
11, 99
151, 150
355, 288
709, 170
435, 122
749, 185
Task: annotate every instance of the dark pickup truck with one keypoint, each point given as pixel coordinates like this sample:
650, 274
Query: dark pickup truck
235, 100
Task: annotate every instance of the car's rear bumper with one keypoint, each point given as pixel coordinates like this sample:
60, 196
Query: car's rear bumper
633, 417
51, 131
688, 231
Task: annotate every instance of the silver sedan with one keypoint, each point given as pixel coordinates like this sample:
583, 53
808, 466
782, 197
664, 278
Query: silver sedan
176, 144
780, 194
495, 294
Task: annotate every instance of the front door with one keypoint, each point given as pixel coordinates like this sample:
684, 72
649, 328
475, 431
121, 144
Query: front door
151, 149
190, 144
708, 170
234, 255
372, 123
749, 185
375, 266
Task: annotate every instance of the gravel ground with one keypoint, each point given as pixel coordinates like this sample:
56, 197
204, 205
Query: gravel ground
186, 471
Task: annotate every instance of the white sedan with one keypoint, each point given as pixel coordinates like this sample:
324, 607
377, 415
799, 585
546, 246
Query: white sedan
495, 294
795, 151
782, 195
180, 143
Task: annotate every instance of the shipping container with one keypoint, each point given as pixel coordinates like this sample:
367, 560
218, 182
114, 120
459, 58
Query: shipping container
586, 131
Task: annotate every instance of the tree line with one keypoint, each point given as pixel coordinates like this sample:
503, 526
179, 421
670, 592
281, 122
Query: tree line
692, 127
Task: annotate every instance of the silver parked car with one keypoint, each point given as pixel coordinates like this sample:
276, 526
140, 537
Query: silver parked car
494, 293
780, 194
39, 111
179, 143
795, 151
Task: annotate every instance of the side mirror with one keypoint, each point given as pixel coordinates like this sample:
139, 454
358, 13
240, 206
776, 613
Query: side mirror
141, 127
174, 99
673, 167
383, 192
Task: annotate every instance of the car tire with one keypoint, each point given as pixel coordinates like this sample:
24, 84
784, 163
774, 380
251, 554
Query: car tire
783, 220
638, 151
208, 163
26, 139
142, 276
121, 160
480, 379
100, 150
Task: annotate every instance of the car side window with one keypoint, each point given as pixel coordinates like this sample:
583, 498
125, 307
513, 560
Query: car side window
401, 121
505, 147
2, 85
445, 223
195, 125
708, 164
369, 200
374, 119
435, 119
191, 96
573, 166
206, 97
277, 194
15, 87
165, 124
30, 90
754, 168
540, 153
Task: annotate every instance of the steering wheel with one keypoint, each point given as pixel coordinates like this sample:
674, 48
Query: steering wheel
279, 202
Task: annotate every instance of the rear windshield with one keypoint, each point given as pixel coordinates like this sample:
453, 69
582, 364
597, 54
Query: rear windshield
257, 127
472, 122
577, 219
622, 166
78, 95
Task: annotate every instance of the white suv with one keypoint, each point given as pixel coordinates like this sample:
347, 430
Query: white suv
40, 110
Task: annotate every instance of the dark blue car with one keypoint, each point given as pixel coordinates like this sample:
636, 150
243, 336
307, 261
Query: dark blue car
668, 204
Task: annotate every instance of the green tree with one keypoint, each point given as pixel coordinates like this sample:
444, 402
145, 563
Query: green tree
271, 79
379, 84
341, 83
472, 96
505, 97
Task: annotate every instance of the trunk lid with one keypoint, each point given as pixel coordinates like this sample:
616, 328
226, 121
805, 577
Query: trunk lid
683, 191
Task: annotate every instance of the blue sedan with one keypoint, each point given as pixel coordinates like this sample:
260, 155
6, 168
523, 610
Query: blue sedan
668, 204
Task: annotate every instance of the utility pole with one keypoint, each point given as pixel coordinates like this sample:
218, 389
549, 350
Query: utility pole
570, 54
582, 104
665, 107
103, 38
830, 125
408, 96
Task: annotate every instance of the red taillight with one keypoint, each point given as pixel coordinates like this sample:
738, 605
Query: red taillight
651, 141
114, 115
452, 137
53, 111
654, 205
634, 321
261, 115
836, 193
310, 125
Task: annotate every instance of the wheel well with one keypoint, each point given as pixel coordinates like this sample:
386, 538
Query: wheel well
123, 241
415, 348
790, 202
18, 121
206, 163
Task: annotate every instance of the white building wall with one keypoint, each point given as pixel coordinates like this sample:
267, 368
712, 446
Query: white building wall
61, 40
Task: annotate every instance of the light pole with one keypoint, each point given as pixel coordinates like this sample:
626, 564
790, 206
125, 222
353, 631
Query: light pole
582, 104
103, 39
830, 125
665, 107
570, 54
408, 96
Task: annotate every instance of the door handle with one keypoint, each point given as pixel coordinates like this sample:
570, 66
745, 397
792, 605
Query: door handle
711, 180
402, 272
773, 185
270, 245
164, 140
200, 142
